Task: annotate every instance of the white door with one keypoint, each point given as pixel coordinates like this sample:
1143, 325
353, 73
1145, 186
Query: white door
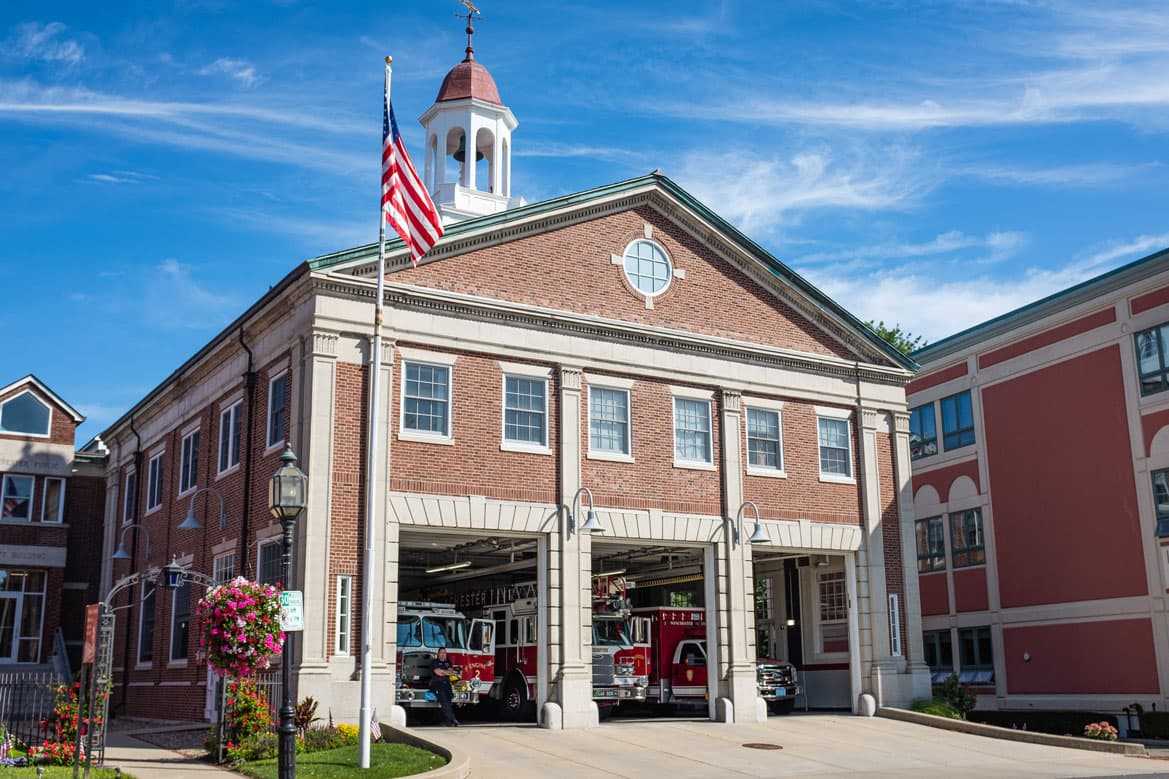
9, 624
211, 705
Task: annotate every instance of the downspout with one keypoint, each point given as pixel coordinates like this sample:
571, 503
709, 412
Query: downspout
245, 515
133, 558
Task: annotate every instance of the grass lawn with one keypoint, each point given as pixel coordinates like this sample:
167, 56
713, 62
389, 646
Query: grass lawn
59, 772
385, 760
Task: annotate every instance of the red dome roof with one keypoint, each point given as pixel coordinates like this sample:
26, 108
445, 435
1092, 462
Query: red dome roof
468, 79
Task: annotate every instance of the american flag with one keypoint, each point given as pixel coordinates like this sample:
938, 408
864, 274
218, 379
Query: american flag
405, 201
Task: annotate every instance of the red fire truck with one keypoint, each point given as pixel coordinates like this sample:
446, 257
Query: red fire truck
423, 629
620, 667
676, 638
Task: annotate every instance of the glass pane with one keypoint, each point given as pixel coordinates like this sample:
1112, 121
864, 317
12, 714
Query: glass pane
17, 497
25, 414
692, 430
7, 626
52, 500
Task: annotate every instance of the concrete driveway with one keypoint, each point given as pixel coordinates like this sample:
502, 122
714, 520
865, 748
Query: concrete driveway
813, 745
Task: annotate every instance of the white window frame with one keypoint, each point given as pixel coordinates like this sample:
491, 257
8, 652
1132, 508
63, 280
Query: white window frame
47, 434
128, 494
612, 384
60, 500
702, 396
153, 473
530, 373
171, 660
183, 462
823, 412
233, 413
818, 633
32, 494
770, 407
673, 269
348, 650
215, 567
436, 360
894, 624
269, 444
138, 662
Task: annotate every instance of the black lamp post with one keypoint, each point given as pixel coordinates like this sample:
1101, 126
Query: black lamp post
286, 500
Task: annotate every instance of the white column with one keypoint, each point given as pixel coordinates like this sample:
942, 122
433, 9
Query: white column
911, 599
469, 155
740, 687
573, 680
874, 609
854, 644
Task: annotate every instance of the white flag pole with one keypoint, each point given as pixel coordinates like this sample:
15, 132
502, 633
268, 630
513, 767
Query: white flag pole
375, 367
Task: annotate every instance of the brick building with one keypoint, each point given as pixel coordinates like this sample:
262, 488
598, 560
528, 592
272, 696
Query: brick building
1040, 446
623, 338
51, 518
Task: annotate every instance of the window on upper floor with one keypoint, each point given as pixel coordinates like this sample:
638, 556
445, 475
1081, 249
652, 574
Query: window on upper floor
16, 497
129, 498
957, 421
223, 568
931, 545
25, 414
764, 440
277, 406
189, 464
923, 431
229, 437
835, 448
1152, 347
692, 440
53, 499
966, 538
939, 654
154, 482
146, 626
426, 400
609, 421
647, 267
525, 411
975, 656
269, 563
1161, 501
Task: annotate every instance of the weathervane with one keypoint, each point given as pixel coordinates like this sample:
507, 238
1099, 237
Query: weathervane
470, 15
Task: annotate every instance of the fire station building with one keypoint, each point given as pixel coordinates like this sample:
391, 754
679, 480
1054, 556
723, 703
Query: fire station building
1040, 447
623, 339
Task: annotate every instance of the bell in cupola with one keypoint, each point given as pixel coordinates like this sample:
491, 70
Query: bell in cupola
461, 152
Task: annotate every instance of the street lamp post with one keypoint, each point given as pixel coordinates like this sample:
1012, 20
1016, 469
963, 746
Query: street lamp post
286, 500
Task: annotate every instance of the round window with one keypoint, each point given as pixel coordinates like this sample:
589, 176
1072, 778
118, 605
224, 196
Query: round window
648, 267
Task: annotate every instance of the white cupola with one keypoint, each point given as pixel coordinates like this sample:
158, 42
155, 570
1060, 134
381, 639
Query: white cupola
468, 115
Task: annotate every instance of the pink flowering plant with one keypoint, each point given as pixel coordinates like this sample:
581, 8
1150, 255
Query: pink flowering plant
239, 623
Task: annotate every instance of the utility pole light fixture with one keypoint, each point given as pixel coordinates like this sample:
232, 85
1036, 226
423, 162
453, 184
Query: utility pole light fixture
120, 553
191, 522
286, 501
591, 523
758, 534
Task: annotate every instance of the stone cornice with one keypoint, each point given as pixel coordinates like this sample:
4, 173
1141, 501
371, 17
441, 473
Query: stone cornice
549, 320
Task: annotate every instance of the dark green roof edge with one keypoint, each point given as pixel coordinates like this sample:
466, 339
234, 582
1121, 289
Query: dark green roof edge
773, 264
1032, 312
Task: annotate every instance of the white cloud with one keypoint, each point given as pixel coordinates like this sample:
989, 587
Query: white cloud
121, 177
760, 193
998, 246
531, 148
173, 298
240, 70
43, 42
1130, 249
1091, 174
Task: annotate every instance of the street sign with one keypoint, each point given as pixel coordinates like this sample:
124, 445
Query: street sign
89, 647
291, 611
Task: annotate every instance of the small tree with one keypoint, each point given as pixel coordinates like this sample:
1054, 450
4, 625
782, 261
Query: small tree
902, 340
958, 696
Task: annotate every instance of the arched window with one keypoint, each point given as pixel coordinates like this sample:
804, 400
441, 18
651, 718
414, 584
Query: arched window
484, 160
456, 147
25, 414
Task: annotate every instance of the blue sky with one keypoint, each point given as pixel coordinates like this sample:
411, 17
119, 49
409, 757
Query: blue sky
927, 163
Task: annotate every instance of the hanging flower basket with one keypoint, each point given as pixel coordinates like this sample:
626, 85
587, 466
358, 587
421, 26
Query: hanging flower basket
239, 624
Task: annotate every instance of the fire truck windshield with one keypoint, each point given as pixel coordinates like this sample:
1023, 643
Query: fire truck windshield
432, 632
611, 632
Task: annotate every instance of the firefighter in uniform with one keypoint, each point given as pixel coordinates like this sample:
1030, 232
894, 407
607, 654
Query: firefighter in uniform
440, 682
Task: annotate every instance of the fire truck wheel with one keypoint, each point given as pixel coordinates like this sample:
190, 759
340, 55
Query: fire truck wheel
514, 699
782, 707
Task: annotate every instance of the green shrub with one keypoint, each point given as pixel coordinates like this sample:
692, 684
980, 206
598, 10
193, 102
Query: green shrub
261, 746
306, 715
318, 739
959, 697
937, 707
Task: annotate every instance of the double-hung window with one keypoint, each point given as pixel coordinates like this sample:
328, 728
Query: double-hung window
835, 448
966, 538
426, 400
344, 613
1153, 358
146, 626
180, 622
154, 483
525, 412
53, 499
1161, 501
939, 654
832, 599
609, 422
189, 464
692, 439
975, 656
764, 441
16, 498
277, 406
957, 421
129, 497
268, 563
223, 568
923, 431
229, 437
931, 545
